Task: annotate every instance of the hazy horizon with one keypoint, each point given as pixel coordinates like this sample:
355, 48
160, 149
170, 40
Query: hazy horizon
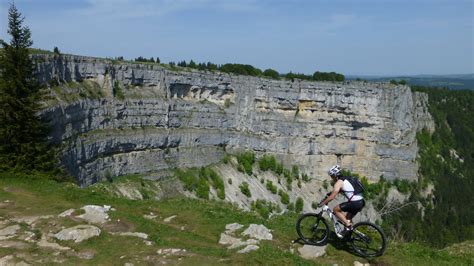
371, 38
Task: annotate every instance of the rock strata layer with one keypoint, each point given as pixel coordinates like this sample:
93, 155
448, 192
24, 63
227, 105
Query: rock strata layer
165, 118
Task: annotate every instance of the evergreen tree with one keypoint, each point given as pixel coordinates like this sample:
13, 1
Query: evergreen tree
23, 136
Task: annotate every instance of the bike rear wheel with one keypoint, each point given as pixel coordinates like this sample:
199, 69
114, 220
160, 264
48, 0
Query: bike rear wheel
312, 229
368, 240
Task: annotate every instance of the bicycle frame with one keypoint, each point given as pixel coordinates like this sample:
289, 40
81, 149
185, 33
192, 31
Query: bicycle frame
333, 217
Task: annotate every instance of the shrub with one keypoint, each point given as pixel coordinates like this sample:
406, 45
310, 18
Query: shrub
305, 178
202, 188
263, 207
217, 182
299, 204
117, 91
291, 207
279, 168
402, 185
295, 172
267, 162
246, 161
244, 188
188, 179
272, 188
271, 73
229, 181
226, 159
284, 197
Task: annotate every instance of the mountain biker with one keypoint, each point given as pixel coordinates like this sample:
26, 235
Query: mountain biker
355, 202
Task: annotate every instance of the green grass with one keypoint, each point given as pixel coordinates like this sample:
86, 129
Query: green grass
196, 228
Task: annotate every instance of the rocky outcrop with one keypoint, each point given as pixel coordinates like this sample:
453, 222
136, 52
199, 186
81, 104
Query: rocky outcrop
170, 118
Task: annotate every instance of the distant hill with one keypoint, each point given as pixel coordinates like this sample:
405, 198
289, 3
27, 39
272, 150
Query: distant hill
454, 82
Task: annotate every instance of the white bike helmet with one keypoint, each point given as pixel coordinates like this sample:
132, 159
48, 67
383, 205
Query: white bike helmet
335, 170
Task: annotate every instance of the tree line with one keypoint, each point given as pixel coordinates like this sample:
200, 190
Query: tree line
249, 70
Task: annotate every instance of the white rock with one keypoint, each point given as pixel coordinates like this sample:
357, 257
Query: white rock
78, 233
230, 228
150, 217
228, 240
243, 243
167, 220
95, 214
248, 249
66, 213
45, 244
258, 231
311, 252
9, 232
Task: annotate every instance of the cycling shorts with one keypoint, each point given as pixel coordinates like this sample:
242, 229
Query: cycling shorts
352, 207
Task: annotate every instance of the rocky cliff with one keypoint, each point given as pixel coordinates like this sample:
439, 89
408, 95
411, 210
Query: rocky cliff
145, 118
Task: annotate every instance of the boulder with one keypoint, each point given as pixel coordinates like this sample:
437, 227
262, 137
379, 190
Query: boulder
243, 243
312, 252
9, 232
248, 248
95, 214
228, 240
78, 233
258, 231
230, 228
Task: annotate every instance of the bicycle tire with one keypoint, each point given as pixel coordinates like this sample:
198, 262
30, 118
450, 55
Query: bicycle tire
312, 229
368, 239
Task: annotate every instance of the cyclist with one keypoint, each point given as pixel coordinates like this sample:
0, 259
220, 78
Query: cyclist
355, 202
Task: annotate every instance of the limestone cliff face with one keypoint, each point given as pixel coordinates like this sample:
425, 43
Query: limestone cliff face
190, 118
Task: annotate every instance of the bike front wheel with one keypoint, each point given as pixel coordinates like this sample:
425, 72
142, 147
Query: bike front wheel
312, 229
368, 240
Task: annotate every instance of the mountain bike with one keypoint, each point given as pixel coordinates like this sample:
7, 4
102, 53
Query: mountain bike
367, 239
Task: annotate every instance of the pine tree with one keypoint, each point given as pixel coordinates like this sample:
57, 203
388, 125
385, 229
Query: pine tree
23, 136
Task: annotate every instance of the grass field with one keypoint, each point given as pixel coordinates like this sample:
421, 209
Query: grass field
196, 228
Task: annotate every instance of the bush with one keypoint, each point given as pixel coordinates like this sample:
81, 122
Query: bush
117, 91
202, 188
295, 172
188, 179
267, 162
271, 73
226, 159
299, 204
305, 177
244, 188
263, 207
246, 161
291, 207
284, 197
270, 187
217, 182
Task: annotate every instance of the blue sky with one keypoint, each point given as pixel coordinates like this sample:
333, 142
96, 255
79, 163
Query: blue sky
354, 37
